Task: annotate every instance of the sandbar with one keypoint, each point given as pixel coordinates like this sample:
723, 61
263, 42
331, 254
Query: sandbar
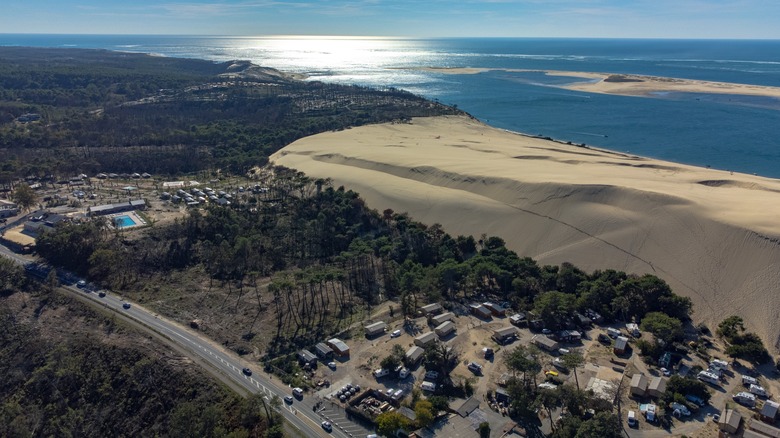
631, 84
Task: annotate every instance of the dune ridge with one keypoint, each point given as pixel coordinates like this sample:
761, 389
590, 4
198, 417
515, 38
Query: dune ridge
712, 234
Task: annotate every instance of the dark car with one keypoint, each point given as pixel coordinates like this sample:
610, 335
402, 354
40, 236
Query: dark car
247, 371
102, 294
126, 305
604, 339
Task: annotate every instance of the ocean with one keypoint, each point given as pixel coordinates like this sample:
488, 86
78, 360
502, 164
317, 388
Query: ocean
728, 132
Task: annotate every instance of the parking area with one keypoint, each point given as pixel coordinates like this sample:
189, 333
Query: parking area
341, 420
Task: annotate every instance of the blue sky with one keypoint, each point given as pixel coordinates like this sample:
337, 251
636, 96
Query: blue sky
432, 18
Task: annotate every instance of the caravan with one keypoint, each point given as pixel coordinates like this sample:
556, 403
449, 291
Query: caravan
745, 398
758, 390
706, 376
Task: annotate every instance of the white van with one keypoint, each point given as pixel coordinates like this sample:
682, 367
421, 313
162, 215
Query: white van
428, 386
719, 364
632, 419
708, 377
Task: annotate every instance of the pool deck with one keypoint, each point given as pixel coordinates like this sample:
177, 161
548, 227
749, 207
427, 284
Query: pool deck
139, 222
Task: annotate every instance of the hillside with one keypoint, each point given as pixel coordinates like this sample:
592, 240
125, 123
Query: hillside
69, 371
712, 235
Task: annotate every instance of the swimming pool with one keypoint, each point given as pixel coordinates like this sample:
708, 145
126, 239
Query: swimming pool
124, 221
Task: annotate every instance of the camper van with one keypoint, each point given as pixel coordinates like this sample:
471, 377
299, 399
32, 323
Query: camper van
706, 376
745, 398
428, 386
719, 364
747, 381
758, 390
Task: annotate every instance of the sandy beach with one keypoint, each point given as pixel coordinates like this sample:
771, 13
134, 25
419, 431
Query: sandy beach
712, 234
634, 85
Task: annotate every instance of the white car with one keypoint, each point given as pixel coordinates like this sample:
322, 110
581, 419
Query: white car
395, 334
332, 365
327, 426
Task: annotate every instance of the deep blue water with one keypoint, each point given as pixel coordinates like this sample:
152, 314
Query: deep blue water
723, 131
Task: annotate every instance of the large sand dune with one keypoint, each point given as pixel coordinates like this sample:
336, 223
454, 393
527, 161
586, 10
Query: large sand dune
713, 235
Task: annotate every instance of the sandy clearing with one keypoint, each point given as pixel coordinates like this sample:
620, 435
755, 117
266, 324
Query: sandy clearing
712, 234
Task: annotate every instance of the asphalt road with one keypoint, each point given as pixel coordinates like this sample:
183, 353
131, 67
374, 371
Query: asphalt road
300, 413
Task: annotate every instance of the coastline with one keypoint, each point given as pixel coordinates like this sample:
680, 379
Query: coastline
630, 84
711, 234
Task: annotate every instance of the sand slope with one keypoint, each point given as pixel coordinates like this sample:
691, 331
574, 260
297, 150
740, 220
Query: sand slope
713, 235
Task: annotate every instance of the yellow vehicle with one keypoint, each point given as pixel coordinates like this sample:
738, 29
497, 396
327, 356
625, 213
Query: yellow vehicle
551, 373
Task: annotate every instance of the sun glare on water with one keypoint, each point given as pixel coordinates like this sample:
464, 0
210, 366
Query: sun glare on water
340, 59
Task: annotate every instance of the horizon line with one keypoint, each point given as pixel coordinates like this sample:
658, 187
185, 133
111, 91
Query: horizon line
385, 37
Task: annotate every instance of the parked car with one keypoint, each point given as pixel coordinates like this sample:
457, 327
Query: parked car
81, 284
694, 399
558, 363
680, 410
475, 368
431, 375
632, 419
404, 373
395, 334
332, 365
604, 339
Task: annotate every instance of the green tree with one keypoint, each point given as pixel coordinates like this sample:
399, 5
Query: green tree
573, 360
390, 362
664, 327
685, 386
730, 327
388, 423
484, 430
424, 412
602, 425
439, 402
24, 197
549, 400
554, 307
